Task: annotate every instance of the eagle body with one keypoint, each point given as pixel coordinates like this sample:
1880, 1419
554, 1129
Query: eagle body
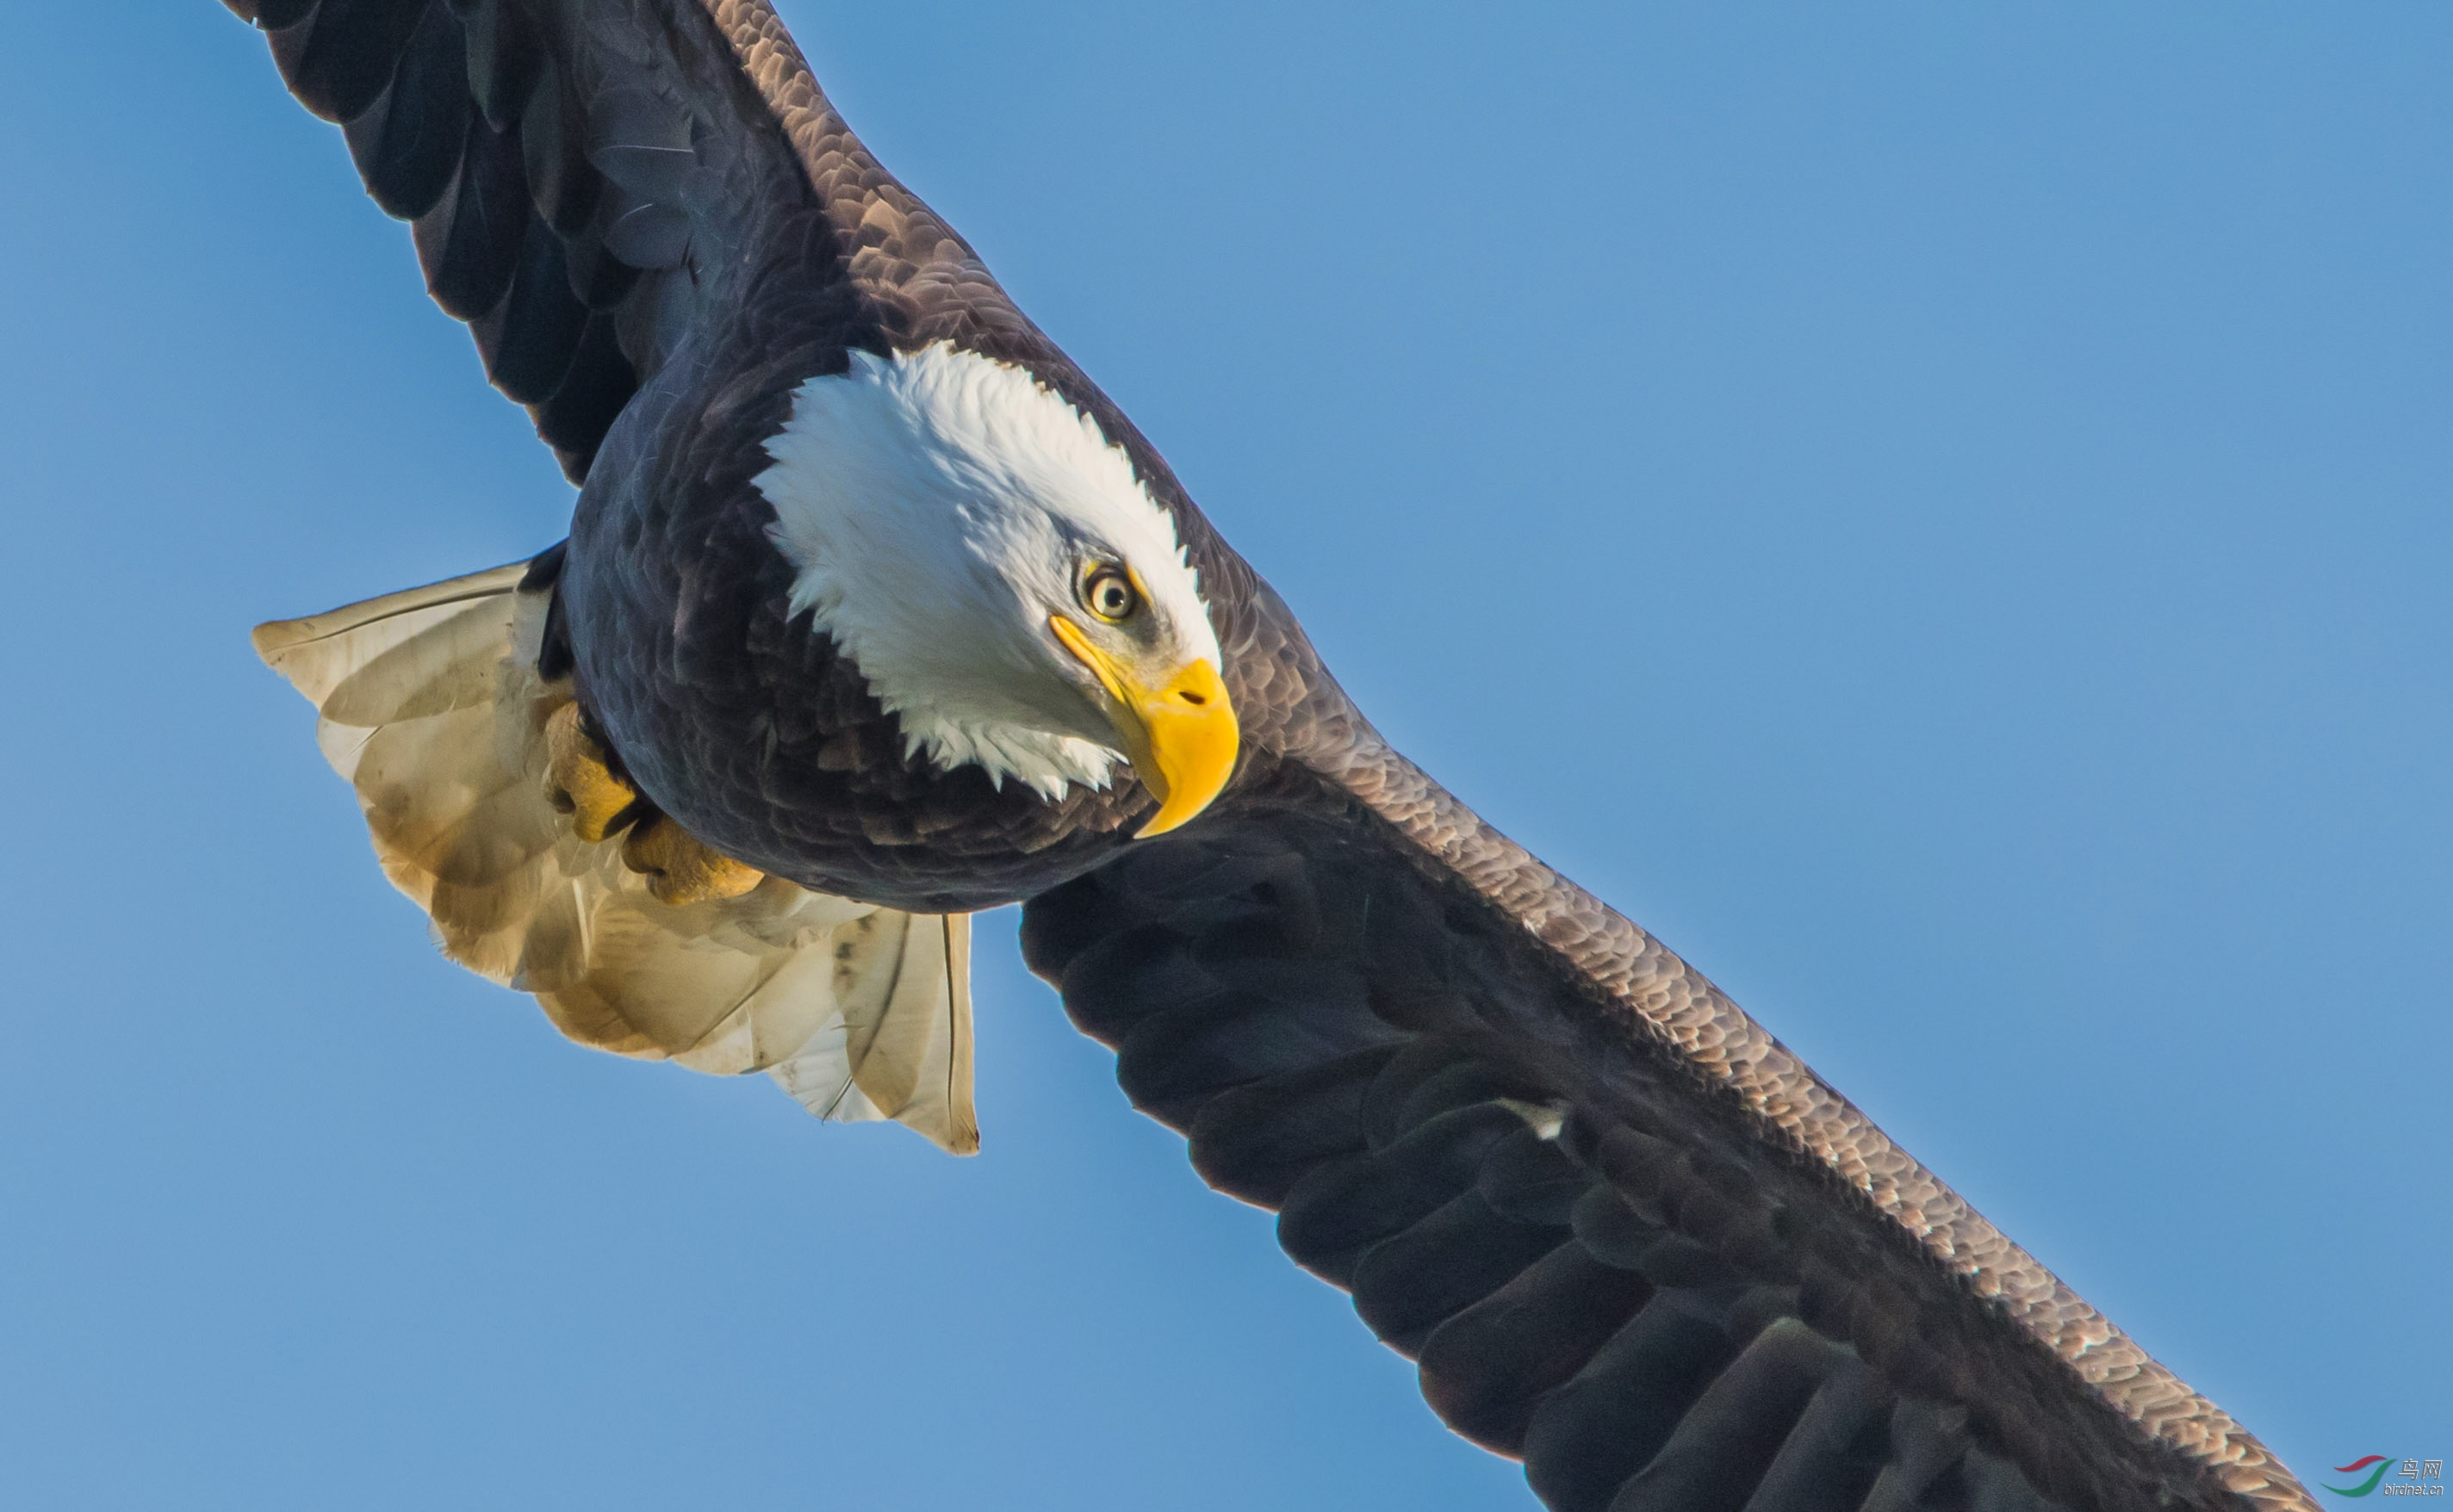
875, 611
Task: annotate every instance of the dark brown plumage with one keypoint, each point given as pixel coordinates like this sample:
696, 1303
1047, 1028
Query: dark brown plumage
1628, 1235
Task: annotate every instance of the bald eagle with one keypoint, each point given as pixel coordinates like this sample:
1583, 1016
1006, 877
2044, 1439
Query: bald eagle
875, 612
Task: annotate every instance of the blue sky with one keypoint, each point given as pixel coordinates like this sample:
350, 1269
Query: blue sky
1938, 510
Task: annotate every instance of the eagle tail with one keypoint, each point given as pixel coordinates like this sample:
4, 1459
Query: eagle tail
428, 702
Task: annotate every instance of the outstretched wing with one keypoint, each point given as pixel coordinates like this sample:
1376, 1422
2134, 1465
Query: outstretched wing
591, 181
1626, 1234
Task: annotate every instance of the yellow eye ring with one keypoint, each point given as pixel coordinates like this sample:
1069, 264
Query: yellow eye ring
1108, 593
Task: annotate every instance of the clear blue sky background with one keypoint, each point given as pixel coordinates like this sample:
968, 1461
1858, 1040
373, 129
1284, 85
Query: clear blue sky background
1938, 509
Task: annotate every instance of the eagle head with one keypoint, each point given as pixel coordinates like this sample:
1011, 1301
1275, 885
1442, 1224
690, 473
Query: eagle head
1012, 594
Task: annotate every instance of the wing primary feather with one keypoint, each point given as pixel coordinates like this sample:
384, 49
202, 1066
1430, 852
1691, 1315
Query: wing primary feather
471, 241
1830, 1458
506, 54
562, 184
1255, 1142
1412, 1282
408, 146
350, 54
529, 338
1728, 1439
1486, 1368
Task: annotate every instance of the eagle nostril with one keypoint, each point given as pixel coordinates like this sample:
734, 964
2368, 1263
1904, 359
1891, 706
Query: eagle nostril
1192, 698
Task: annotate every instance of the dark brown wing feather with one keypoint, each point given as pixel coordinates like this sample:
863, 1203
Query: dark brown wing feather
590, 180
1628, 1234
573, 173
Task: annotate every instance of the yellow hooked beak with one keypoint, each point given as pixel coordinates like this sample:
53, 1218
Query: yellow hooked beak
1181, 736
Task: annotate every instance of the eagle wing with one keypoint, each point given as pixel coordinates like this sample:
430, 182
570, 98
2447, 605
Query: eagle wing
591, 181
1626, 1234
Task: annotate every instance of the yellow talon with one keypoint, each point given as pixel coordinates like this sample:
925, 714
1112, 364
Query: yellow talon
679, 867
577, 781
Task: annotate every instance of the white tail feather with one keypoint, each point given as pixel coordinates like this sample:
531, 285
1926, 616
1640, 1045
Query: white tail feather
430, 704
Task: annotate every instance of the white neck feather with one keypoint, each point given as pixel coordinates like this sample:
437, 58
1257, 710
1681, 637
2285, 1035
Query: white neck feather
934, 505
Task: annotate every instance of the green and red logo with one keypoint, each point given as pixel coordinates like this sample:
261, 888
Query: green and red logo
2416, 1477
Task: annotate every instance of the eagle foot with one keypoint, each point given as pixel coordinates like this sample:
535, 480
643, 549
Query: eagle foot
679, 867
578, 782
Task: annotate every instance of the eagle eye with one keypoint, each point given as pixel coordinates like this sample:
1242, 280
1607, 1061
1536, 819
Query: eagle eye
1108, 593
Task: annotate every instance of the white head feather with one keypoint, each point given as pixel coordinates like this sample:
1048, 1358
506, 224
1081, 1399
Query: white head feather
938, 507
